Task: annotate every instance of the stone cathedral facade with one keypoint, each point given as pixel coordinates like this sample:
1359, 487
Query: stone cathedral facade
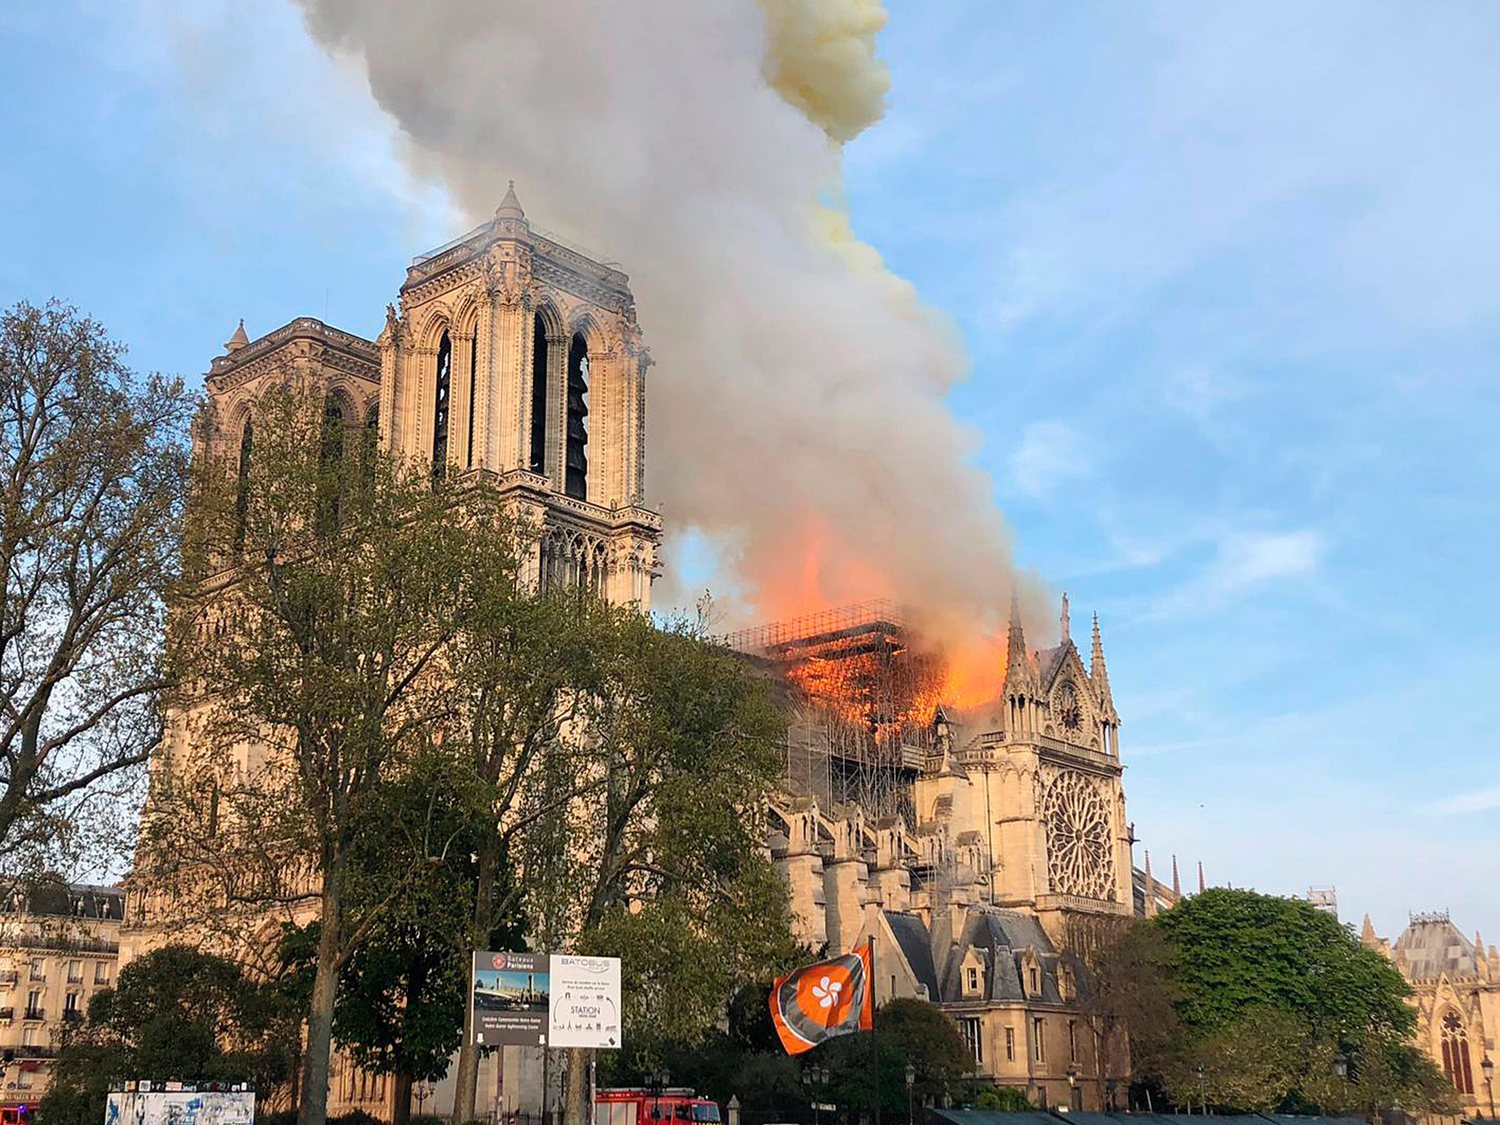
508, 353
1014, 850
511, 354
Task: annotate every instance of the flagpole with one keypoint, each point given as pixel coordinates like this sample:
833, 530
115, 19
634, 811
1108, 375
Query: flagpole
874, 1039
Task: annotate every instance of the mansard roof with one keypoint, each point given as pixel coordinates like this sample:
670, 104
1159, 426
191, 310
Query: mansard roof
916, 946
1432, 946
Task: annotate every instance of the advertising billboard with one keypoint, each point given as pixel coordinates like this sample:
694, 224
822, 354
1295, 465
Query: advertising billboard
508, 996
541, 1000
585, 1002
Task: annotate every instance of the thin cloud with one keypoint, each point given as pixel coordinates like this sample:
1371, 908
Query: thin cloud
1050, 454
1459, 804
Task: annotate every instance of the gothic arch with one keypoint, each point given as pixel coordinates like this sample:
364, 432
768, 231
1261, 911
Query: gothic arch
1453, 1042
552, 317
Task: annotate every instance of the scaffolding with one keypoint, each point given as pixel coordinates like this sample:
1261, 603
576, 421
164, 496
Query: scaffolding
863, 703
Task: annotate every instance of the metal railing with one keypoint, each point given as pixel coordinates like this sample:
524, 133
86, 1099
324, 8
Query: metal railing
35, 1014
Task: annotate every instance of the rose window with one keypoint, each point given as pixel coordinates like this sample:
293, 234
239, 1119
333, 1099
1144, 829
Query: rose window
1080, 852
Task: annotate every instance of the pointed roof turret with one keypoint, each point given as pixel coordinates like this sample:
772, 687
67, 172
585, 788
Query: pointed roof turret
238, 340
1367, 934
510, 206
1019, 674
1099, 674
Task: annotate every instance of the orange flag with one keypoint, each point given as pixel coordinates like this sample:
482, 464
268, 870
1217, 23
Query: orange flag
817, 1002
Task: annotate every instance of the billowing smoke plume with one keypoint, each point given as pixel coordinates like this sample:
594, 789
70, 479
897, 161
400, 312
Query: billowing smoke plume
797, 411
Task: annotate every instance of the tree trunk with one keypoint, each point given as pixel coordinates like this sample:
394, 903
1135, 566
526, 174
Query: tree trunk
401, 1103
576, 1109
466, 1080
314, 1108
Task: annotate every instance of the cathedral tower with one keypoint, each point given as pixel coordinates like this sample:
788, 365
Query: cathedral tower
517, 356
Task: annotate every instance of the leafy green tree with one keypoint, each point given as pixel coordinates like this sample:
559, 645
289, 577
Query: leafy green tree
1271, 993
661, 860
176, 1013
402, 994
907, 1032
93, 465
528, 671
342, 580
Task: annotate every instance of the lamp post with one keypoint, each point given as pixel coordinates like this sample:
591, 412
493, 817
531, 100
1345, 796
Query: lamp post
1488, 1067
1072, 1086
911, 1083
1202, 1090
815, 1078
657, 1080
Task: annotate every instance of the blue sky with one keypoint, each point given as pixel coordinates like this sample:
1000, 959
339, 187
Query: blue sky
1229, 278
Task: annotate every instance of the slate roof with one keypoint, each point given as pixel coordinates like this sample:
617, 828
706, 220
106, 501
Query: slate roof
916, 947
1431, 946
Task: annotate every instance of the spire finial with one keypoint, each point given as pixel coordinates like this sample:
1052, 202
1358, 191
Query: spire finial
1201, 886
238, 340
1066, 630
1150, 888
1367, 933
510, 206
1017, 663
1176, 882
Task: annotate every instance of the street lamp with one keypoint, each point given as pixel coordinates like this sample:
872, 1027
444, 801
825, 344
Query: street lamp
1202, 1090
1489, 1082
1072, 1086
657, 1080
815, 1078
911, 1082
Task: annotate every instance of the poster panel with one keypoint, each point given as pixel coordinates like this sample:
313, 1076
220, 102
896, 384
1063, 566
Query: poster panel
186, 1105
585, 1002
508, 999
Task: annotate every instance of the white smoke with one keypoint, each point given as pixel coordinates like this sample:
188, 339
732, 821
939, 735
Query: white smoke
796, 410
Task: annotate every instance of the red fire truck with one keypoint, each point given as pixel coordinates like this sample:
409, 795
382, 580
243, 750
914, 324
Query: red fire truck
642, 1106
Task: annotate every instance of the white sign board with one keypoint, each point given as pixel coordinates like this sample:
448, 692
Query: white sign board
585, 1002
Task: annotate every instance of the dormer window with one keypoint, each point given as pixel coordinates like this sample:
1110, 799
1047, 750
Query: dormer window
971, 979
1034, 980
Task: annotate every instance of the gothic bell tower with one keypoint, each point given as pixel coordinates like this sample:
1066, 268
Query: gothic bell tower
517, 356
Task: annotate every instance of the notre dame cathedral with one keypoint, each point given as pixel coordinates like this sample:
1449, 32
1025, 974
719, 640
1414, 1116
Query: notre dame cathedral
970, 848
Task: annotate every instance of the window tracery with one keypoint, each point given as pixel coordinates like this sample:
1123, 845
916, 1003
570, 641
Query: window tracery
1456, 1054
1080, 855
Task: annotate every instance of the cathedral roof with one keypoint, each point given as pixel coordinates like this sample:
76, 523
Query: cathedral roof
1431, 946
916, 947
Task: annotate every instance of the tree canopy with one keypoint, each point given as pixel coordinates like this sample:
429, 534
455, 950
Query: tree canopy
93, 474
176, 1013
1274, 998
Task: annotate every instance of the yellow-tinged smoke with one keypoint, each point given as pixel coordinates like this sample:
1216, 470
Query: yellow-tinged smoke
820, 56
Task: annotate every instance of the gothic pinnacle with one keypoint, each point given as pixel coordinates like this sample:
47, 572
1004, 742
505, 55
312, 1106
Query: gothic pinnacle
510, 206
1201, 886
1176, 882
1066, 629
238, 340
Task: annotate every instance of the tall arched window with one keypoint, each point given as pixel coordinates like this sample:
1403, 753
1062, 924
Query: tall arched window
473, 391
440, 402
538, 462
242, 485
575, 482
331, 454
369, 443
1456, 1054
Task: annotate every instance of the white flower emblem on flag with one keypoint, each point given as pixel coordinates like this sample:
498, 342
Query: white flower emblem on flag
827, 991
